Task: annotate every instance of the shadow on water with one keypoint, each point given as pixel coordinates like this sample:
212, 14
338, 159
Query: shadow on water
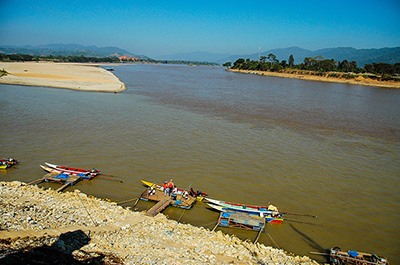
60, 252
311, 242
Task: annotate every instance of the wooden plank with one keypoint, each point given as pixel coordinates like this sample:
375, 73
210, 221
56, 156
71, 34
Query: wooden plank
161, 205
259, 233
37, 181
72, 180
178, 202
64, 187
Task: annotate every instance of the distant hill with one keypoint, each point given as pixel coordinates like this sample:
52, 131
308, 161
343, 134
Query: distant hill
361, 56
195, 56
69, 50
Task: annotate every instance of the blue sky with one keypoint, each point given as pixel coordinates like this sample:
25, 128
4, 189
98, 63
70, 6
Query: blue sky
156, 28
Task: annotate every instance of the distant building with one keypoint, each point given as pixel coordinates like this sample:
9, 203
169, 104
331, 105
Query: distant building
125, 58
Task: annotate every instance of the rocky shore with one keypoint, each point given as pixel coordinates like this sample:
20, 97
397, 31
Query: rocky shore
39, 225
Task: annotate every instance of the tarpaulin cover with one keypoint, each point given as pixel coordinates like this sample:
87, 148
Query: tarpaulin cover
62, 176
352, 253
226, 215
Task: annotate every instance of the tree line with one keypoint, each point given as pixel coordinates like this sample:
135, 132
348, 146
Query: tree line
83, 59
318, 64
72, 59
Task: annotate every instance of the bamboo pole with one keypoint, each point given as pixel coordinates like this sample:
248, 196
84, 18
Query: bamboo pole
258, 235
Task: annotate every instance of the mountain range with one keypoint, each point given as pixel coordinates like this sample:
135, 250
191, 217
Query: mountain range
69, 50
361, 56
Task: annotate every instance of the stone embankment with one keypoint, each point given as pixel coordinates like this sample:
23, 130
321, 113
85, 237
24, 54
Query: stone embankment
84, 229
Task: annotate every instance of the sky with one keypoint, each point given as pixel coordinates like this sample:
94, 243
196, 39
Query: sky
156, 28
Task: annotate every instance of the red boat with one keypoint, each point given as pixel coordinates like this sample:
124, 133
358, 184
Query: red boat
6, 163
69, 170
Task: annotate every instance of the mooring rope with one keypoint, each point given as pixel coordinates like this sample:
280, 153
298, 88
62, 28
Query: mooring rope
273, 241
86, 210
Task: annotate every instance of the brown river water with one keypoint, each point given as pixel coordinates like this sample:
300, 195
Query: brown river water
325, 149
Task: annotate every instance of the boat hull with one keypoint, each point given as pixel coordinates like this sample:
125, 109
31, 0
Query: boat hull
6, 163
237, 206
268, 217
58, 171
161, 188
74, 171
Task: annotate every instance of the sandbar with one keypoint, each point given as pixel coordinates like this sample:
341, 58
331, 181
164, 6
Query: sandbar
74, 76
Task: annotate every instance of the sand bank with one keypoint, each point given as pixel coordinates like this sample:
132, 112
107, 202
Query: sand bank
83, 226
360, 80
61, 75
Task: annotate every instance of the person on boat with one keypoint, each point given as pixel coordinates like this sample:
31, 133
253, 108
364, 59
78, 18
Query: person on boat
151, 191
165, 187
192, 192
170, 186
274, 209
174, 193
185, 194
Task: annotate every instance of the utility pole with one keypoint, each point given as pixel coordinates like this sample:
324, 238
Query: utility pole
259, 51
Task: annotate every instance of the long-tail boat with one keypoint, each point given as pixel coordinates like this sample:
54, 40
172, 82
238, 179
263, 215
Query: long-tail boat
337, 256
270, 216
6, 163
87, 173
270, 209
199, 195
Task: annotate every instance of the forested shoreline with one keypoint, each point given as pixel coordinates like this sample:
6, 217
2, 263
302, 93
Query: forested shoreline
83, 59
319, 66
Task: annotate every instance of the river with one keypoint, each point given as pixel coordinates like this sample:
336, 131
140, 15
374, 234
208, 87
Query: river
325, 149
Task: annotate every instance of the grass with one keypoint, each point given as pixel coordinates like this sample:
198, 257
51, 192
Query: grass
3, 72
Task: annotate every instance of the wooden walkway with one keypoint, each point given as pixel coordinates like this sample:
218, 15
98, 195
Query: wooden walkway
165, 201
242, 221
51, 177
161, 205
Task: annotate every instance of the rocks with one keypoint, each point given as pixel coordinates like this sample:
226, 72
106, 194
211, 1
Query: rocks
125, 236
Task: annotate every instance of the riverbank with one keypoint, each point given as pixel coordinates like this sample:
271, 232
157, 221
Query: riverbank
86, 228
74, 76
324, 77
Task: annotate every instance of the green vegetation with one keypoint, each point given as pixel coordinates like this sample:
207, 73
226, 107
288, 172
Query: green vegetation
319, 66
51, 58
3, 72
84, 59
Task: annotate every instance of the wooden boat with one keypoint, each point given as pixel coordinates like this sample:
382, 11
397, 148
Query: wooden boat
199, 195
269, 217
178, 201
270, 209
85, 176
337, 256
74, 171
6, 163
